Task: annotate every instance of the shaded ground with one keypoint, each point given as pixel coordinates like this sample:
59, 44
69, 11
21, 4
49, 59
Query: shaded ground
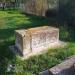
12, 20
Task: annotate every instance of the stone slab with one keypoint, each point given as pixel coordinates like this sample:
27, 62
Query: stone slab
64, 68
67, 67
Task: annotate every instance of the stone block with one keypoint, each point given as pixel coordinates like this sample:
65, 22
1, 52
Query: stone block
34, 39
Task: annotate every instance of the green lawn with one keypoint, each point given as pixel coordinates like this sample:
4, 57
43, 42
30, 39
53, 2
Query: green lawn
12, 20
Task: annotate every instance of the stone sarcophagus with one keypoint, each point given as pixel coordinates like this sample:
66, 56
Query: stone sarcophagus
37, 39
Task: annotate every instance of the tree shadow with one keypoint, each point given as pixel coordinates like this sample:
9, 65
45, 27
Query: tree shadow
66, 17
67, 11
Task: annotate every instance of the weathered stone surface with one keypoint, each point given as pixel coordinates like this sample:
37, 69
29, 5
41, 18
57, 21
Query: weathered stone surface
38, 7
36, 38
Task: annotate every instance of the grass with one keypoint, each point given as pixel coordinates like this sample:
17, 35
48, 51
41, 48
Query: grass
12, 20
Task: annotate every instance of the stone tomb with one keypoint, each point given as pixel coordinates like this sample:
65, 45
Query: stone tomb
36, 40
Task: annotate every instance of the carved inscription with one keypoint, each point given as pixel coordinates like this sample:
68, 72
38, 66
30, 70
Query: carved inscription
51, 37
38, 40
35, 40
42, 38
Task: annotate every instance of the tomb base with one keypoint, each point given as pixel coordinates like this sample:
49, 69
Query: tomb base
38, 51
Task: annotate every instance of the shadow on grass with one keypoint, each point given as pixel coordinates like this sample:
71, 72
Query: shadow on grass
7, 37
67, 34
6, 57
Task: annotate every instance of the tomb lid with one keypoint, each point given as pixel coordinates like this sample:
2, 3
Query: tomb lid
23, 32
